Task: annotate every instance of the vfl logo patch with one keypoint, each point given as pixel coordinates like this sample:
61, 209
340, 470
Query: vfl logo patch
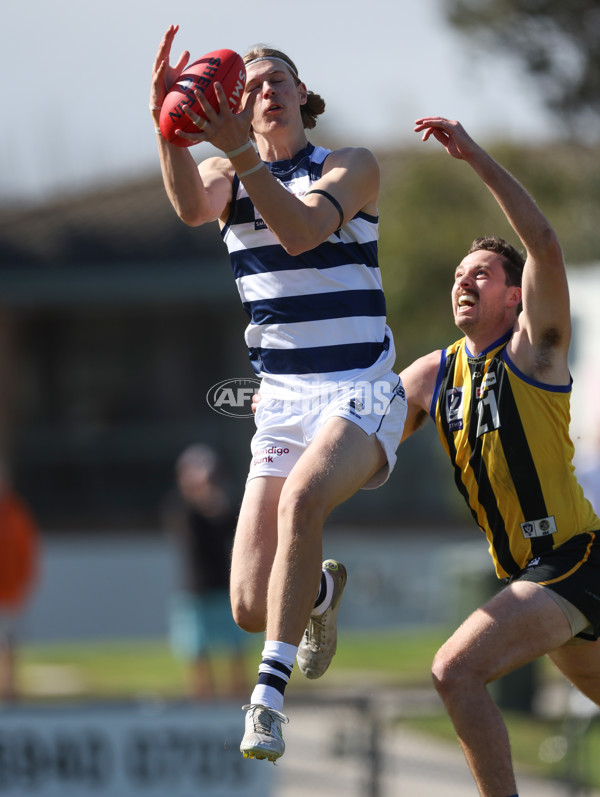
539, 528
454, 408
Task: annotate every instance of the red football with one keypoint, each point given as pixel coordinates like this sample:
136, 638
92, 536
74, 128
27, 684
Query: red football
223, 66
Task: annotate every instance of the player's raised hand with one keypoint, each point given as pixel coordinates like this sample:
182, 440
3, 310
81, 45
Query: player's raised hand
163, 74
224, 128
450, 133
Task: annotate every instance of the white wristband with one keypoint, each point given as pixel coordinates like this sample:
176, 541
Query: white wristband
238, 151
252, 170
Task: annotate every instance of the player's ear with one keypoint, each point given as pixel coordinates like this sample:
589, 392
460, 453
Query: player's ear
515, 296
302, 93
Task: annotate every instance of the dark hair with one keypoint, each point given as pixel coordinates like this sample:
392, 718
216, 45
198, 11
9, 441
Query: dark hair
512, 260
315, 104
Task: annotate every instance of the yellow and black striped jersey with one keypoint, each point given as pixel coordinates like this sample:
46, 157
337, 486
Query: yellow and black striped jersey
507, 437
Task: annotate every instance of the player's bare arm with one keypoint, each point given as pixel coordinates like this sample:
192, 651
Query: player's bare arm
418, 380
542, 334
197, 195
351, 179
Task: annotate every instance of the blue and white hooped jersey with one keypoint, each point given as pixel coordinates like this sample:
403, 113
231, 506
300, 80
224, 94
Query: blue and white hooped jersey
315, 317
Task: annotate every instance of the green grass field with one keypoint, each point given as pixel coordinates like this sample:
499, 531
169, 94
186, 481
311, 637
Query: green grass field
398, 660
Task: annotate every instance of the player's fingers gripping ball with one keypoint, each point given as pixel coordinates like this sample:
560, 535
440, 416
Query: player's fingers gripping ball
219, 66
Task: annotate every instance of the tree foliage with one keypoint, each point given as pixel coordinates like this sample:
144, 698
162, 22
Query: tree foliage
558, 41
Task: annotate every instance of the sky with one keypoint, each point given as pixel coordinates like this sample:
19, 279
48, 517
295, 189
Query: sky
77, 76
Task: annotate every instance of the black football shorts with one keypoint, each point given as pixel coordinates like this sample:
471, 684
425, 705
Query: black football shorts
572, 570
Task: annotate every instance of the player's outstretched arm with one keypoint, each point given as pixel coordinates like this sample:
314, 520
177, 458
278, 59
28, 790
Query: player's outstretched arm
196, 199
545, 320
527, 220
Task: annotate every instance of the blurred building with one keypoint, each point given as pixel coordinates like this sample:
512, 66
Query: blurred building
115, 320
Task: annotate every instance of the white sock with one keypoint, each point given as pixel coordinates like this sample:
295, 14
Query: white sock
273, 674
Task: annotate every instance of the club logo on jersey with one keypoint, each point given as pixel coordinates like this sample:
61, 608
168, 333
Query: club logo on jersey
454, 409
539, 528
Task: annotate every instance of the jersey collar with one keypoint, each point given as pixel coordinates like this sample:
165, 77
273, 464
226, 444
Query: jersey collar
503, 340
284, 167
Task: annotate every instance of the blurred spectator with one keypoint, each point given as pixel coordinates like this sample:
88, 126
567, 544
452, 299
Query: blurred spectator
19, 549
201, 522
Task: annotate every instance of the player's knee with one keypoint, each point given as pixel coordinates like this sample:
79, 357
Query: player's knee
302, 508
450, 675
247, 616
248, 620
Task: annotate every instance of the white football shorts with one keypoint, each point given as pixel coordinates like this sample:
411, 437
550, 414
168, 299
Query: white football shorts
286, 426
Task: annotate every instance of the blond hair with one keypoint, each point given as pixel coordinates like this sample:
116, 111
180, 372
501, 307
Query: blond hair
315, 104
